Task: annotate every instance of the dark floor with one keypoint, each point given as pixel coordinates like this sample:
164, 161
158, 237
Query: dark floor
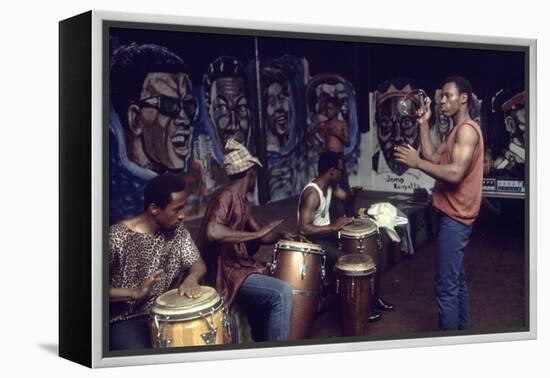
495, 261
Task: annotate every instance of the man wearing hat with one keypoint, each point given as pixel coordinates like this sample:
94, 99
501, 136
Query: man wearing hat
227, 225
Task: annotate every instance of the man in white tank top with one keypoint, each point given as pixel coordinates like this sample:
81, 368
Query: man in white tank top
313, 210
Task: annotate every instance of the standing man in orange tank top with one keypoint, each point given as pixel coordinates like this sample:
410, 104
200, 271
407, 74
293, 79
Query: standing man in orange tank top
457, 166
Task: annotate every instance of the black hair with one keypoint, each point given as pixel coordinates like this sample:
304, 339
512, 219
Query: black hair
130, 65
462, 84
159, 190
328, 160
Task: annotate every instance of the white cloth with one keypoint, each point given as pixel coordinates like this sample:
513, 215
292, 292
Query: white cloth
322, 214
384, 214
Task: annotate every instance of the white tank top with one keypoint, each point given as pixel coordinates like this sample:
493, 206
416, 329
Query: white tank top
322, 216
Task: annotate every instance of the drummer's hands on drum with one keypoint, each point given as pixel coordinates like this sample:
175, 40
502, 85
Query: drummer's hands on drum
341, 222
145, 288
269, 227
190, 288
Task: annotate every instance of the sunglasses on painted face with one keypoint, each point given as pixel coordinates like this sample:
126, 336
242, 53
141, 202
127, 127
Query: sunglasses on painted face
170, 106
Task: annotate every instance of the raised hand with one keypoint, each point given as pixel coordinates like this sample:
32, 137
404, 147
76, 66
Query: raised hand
424, 113
143, 291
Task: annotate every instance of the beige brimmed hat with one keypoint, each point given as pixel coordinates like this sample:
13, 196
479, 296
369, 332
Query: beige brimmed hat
237, 158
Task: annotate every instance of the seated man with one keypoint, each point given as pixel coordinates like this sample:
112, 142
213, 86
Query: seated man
147, 256
226, 227
313, 210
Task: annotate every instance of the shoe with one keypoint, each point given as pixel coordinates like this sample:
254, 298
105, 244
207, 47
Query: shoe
383, 305
374, 316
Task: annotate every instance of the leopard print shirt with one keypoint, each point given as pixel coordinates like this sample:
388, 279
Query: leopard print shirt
134, 256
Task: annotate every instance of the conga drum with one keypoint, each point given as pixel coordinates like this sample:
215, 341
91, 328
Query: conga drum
361, 236
181, 321
355, 288
302, 266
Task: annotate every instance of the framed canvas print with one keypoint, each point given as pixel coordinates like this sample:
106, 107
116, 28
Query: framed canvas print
238, 189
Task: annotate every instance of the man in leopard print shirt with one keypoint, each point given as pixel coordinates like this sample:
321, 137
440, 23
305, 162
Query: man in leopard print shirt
148, 255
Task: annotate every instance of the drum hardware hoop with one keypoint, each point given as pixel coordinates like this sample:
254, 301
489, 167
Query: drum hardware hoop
209, 336
305, 293
195, 315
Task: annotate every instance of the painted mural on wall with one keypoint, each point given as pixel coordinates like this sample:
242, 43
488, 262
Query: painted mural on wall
151, 124
388, 129
509, 109
283, 109
172, 111
332, 121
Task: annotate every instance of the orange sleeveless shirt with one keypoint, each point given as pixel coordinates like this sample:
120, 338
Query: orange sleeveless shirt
461, 201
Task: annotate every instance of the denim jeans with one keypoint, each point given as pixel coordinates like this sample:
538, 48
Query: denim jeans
450, 287
130, 334
260, 291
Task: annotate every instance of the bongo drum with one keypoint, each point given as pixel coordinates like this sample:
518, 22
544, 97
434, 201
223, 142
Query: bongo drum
355, 288
302, 266
181, 321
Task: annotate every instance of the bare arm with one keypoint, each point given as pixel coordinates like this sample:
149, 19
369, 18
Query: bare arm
221, 233
462, 155
429, 151
121, 294
309, 202
347, 197
269, 238
340, 130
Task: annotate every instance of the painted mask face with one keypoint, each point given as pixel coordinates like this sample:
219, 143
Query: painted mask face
393, 130
229, 109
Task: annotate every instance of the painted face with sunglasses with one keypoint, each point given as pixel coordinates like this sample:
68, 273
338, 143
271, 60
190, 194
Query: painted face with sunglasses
161, 121
393, 130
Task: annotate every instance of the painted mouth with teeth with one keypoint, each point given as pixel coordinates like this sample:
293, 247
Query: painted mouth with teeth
180, 142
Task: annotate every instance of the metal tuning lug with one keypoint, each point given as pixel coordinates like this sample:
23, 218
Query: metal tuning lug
209, 336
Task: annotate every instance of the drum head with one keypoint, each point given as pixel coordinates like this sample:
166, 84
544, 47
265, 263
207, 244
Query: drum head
359, 227
299, 246
182, 307
355, 264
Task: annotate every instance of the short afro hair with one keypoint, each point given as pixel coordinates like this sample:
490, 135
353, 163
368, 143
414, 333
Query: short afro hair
328, 160
462, 84
159, 190
130, 65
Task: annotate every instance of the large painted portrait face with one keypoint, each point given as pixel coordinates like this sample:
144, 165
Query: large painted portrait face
229, 109
278, 114
164, 120
394, 129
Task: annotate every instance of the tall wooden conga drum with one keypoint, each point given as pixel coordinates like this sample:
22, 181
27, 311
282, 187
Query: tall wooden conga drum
302, 266
363, 236
181, 321
354, 285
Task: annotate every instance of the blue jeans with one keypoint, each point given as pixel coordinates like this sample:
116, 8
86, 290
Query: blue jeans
260, 290
130, 334
450, 287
